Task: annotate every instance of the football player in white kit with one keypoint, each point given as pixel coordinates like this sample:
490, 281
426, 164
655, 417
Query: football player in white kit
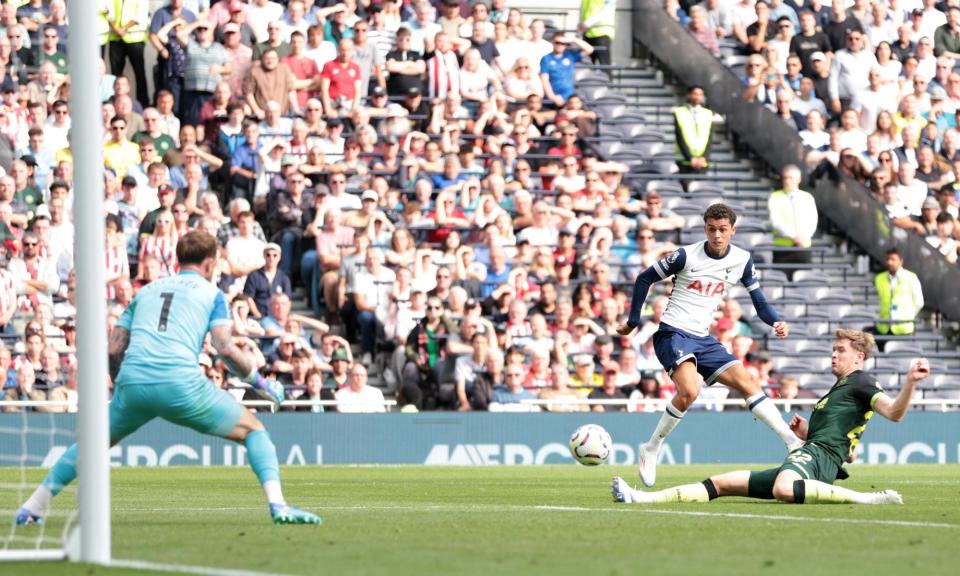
703, 274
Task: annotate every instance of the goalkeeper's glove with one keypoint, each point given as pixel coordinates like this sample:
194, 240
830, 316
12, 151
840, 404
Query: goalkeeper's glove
266, 388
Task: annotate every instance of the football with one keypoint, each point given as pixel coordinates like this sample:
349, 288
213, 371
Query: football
590, 445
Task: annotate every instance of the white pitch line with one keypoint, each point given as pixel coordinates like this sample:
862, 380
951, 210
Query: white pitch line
184, 569
547, 508
778, 517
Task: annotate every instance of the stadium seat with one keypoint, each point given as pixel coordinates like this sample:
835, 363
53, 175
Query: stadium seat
701, 187
902, 348
811, 277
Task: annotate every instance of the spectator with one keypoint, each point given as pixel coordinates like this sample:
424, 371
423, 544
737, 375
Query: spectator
610, 390
901, 297
556, 68
944, 239
793, 214
340, 82
468, 368
128, 36
511, 395
267, 280
849, 73
24, 390
701, 29
661, 221
271, 81
692, 125
206, 64
358, 396
426, 351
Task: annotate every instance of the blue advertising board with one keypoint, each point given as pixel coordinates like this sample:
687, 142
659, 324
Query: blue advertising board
477, 439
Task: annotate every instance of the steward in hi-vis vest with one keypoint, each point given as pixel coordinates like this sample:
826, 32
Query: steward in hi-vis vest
598, 26
692, 125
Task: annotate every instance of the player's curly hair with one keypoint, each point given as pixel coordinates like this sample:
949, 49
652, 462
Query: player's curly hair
720, 211
859, 340
195, 247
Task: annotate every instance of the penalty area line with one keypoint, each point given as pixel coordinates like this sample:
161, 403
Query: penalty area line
185, 569
741, 515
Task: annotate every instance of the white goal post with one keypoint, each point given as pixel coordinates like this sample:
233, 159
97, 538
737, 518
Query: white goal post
92, 542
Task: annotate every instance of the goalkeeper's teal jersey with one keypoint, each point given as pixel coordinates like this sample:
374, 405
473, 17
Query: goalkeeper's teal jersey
168, 321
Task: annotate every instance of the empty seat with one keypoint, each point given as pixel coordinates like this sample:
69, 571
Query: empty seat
903, 348
700, 187
769, 277
665, 187
820, 382
814, 347
814, 277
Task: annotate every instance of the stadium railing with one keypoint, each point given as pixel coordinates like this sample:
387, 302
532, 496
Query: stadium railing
850, 207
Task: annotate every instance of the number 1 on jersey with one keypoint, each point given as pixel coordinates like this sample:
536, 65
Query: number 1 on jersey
164, 311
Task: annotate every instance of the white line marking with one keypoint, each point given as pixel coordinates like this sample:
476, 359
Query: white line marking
783, 517
548, 508
183, 569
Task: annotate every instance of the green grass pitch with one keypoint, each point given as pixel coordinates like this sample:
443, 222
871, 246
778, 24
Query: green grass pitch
530, 520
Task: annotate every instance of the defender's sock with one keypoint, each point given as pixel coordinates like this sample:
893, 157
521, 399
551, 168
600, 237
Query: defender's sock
687, 493
767, 413
817, 492
711, 489
263, 459
668, 421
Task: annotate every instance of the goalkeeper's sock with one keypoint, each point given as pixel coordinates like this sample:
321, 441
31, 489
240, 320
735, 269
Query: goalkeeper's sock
687, 493
63, 473
767, 413
263, 459
817, 492
668, 421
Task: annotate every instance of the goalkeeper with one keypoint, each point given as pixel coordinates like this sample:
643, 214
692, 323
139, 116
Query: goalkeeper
154, 350
834, 430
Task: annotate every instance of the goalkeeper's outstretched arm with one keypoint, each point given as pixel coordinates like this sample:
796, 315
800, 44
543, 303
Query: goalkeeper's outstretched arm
239, 362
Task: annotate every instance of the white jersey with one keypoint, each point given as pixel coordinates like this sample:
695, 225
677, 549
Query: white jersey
701, 284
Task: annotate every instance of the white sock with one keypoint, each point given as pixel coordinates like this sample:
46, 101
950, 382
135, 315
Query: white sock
668, 421
273, 491
686, 493
39, 501
817, 492
767, 413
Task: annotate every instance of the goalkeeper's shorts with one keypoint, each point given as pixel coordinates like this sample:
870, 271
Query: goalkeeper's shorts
195, 403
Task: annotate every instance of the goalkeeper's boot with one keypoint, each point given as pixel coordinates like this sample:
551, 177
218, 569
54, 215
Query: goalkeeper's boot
268, 389
26, 518
648, 463
286, 514
887, 497
622, 492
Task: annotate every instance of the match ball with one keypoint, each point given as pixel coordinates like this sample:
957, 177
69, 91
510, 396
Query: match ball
590, 445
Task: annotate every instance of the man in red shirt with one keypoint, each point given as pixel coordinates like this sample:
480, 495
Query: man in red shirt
304, 69
568, 143
340, 82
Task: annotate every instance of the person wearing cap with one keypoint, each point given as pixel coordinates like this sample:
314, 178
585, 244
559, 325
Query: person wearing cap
793, 215
267, 280
451, 19
166, 197
556, 68
239, 53
609, 390
929, 212
206, 65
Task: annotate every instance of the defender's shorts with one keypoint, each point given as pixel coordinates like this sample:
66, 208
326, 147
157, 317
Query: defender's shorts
812, 462
674, 347
194, 403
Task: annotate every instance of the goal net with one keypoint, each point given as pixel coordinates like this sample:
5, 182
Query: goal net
30, 442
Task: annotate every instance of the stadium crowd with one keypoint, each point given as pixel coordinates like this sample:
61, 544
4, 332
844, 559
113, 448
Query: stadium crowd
873, 88
412, 175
